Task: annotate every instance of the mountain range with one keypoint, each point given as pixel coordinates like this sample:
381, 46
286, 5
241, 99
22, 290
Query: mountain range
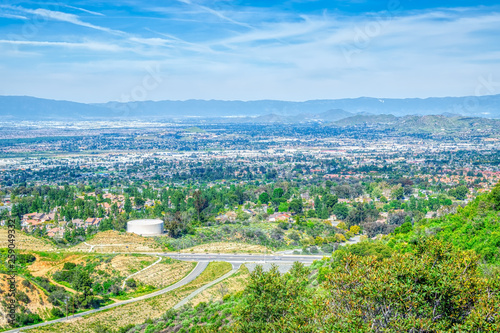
31, 108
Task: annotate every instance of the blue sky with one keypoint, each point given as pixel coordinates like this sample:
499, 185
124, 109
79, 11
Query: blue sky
97, 51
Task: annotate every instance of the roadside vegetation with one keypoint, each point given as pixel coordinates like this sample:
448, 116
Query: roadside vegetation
440, 275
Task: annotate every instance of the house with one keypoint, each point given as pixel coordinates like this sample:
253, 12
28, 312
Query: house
280, 217
78, 223
55, 233
249, 211
92, 222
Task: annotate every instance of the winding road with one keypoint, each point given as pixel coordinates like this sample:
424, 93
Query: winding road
203, 260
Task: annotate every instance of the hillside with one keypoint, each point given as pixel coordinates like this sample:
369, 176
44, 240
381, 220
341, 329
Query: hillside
26, 242
113, 241
474, 227
441, 275
367, 120
31, 108
432, 124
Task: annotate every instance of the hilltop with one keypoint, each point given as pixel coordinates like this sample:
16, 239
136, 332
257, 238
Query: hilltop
31, 108
435, 124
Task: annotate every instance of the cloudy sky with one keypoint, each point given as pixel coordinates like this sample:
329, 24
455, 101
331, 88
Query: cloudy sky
98, 50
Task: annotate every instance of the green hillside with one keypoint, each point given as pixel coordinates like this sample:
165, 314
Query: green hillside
441, 275
474, 227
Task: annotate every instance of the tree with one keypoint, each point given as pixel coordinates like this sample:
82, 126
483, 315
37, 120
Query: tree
270, 297
398, 193
139, 202
330, 201
200, 202
283, 207
495, 196
341, 211
296, 206
278, 193
127, 206
81, 279
355, 229
176, 225
264, 198
443, 289
461, 192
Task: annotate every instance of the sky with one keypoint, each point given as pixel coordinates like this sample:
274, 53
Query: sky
96, 51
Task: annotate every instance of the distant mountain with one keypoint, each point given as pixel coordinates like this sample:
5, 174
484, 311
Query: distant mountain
324, 117
482, 106
432, 124
31, 108
367, 119
22, 107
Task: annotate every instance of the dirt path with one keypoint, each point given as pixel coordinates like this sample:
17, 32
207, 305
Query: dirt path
128, 277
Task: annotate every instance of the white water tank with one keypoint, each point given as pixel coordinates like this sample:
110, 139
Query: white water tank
145, 227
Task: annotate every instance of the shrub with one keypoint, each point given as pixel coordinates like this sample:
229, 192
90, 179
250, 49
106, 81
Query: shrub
69, 266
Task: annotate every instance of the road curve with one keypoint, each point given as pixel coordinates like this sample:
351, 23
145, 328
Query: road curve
200, 267
203, 261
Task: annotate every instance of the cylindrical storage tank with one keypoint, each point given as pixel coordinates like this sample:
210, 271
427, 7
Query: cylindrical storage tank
145, 227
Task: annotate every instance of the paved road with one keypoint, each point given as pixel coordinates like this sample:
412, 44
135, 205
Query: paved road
203, 261
242, 258
200, 267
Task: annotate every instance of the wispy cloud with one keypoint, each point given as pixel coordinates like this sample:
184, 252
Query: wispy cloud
218, 49
216, 13
85, 10
12, 16
61, 16
86, 45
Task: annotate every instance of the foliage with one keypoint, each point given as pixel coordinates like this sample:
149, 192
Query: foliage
271, 297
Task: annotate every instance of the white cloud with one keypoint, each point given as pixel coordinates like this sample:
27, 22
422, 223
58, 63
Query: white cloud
12, 16
86, 45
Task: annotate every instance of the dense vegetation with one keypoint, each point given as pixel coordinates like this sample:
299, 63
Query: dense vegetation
435, 276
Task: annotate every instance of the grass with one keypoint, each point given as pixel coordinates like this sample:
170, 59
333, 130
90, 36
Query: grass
136, 313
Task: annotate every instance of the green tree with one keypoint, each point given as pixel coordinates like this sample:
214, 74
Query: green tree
283, 207
296, 206
341, 211
264, 198
278, 193
270, 298
398, 193
127, 206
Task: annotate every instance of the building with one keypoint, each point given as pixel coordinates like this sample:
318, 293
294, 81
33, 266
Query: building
145, 227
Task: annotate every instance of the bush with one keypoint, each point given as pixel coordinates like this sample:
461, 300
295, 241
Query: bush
22, 297
56, 312
23, 319
69, 266
131, 283
495, 196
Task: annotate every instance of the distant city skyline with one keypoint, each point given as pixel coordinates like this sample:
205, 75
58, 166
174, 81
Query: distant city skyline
297, 50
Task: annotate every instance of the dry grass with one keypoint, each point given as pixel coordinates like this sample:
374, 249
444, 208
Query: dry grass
26, 242
114, 242
125, 264
44, 266
232, 284
38, 304
138, 312
163, 274
226, 247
